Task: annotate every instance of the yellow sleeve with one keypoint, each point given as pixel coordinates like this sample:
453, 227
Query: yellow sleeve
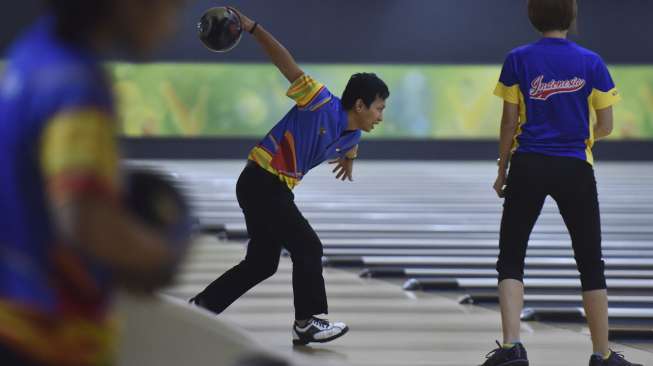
601, 100
78, 152
304, 90
508, 93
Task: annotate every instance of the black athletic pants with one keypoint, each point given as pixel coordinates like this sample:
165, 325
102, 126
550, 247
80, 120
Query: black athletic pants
273, 222
571, 183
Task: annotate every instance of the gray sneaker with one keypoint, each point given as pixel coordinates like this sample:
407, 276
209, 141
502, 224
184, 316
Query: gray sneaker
515, 356
615, 359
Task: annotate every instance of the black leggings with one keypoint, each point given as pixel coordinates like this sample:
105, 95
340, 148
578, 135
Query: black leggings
571, 183
273, 221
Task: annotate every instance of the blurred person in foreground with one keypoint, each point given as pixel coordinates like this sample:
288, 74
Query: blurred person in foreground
67, 239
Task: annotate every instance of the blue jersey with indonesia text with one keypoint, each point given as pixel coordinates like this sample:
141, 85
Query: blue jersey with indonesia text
558, 86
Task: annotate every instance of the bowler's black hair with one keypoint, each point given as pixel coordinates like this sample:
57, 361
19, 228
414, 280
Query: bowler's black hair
365, 86
77, 17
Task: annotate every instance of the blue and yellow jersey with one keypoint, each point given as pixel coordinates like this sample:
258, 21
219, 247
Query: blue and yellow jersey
313, 131
56, 143
558, 86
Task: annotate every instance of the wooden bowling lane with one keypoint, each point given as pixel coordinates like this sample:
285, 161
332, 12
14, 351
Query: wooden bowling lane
417, 210
388, 325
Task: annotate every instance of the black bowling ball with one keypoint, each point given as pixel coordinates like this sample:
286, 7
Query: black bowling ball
220, 29
155, 200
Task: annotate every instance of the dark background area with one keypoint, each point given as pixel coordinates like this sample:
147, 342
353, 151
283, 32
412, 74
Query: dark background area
389, 31
396, 31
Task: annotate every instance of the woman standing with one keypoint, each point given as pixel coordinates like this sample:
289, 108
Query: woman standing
550, 90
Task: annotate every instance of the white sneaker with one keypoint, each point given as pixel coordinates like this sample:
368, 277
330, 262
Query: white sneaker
317, 330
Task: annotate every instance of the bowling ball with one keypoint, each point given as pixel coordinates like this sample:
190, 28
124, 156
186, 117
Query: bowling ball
156, 201
220, 29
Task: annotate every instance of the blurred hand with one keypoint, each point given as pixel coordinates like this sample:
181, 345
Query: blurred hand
500, 184
343, 169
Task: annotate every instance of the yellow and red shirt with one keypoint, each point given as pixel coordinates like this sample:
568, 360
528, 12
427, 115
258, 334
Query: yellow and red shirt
56, 142
313, 131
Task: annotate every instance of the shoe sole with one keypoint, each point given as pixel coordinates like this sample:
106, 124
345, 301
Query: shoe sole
303, 342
